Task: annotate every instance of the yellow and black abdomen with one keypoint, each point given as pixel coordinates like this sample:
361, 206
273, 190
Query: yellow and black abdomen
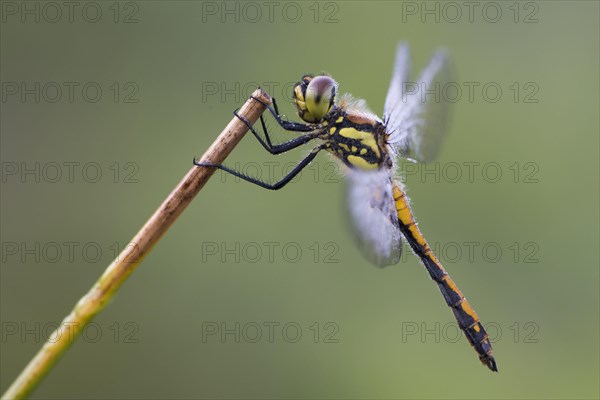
466, 317
358, 145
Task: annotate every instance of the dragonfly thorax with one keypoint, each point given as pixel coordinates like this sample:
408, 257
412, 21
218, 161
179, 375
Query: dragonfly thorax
357, 140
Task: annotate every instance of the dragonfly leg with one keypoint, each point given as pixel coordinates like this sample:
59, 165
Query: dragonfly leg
271, 186
277, 148
287, 125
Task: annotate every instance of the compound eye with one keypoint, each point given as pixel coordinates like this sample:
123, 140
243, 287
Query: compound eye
320, 96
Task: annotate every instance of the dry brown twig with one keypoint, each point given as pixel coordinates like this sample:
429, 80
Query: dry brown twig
141, 244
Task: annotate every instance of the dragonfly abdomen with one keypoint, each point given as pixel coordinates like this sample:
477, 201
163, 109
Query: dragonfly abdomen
466, 317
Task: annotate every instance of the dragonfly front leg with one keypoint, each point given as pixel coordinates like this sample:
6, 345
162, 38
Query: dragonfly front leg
278, 148
287, 125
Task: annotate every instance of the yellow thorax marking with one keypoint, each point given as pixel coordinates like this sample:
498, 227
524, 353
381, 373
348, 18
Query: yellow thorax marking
361, 163
367, 138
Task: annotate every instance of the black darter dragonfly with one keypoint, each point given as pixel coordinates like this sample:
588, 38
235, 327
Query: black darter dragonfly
412, 127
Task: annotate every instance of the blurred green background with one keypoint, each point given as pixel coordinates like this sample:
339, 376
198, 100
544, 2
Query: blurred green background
242, 259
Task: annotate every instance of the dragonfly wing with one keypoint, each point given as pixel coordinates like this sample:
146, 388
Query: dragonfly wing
373, 216
418, 121
400, 75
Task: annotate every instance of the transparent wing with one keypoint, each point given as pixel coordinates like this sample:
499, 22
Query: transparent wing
400, 75
373, 216
418, 120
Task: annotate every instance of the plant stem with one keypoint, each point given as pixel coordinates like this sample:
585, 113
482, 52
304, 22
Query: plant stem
141, 244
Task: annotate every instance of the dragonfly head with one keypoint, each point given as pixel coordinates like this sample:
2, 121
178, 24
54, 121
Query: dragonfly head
314, 97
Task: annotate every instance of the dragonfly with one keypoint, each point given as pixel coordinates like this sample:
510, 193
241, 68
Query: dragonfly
370, 148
